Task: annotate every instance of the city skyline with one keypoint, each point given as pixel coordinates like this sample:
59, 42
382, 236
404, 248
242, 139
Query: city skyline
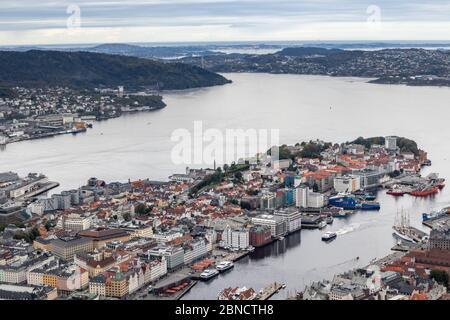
87, 21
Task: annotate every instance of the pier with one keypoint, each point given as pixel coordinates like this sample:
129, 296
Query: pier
267, 292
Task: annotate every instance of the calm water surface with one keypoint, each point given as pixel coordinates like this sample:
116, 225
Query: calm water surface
302, 107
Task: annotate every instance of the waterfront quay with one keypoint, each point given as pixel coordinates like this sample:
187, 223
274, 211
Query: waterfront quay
151, 239
49, 112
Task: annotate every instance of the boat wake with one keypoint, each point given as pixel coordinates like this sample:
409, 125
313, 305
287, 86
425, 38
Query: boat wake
348, 229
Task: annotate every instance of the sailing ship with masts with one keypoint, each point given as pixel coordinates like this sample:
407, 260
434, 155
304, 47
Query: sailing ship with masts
404, 230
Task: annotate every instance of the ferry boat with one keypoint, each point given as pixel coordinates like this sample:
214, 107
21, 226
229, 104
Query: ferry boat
350, 203
329, 236
209, 274
224, 266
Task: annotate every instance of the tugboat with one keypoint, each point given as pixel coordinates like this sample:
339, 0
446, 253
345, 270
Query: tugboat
329, 236
396, 192
209, 274
224, 266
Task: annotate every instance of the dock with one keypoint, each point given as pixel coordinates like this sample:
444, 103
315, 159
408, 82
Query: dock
267, 292
405, 247
43, 188
441, 222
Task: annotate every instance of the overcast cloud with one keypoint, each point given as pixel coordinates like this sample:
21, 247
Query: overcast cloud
46, 21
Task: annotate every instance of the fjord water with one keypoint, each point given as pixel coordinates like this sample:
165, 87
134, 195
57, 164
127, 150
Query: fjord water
303, 108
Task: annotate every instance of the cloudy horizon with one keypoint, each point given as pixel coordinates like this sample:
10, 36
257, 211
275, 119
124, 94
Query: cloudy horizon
26, 22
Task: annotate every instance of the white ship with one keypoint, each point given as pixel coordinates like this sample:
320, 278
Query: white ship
209, 274
224, 266
329, 236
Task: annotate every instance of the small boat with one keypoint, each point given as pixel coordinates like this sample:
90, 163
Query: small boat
431, 215
209, 274
329, 236
281, 238
396, 193
224, 266
322, 224
367, 197
329, 220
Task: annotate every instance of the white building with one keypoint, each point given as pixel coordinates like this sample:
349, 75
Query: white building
316, 200
158, 269
346, 184
236, 238
301, 197
292, 218
282, 164
167, 236
391, 143
75, 222
278, 225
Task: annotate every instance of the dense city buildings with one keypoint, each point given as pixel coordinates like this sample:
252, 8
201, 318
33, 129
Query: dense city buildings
114, 240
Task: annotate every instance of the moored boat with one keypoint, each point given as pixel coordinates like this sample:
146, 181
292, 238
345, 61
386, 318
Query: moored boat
209, 274
425, 193
350, 203
396, 193
224, 266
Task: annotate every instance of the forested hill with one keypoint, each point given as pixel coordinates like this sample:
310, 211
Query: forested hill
87, 70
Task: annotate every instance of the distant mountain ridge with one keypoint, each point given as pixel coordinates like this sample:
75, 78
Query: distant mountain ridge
86, 70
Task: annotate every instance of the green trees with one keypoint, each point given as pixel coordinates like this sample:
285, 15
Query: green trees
27, 236
405, 145
440, 276
86, 70
142, 209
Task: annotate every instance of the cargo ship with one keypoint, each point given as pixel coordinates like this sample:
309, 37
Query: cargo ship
350, 203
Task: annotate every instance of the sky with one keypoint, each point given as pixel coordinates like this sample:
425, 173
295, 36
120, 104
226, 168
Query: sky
34, 22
